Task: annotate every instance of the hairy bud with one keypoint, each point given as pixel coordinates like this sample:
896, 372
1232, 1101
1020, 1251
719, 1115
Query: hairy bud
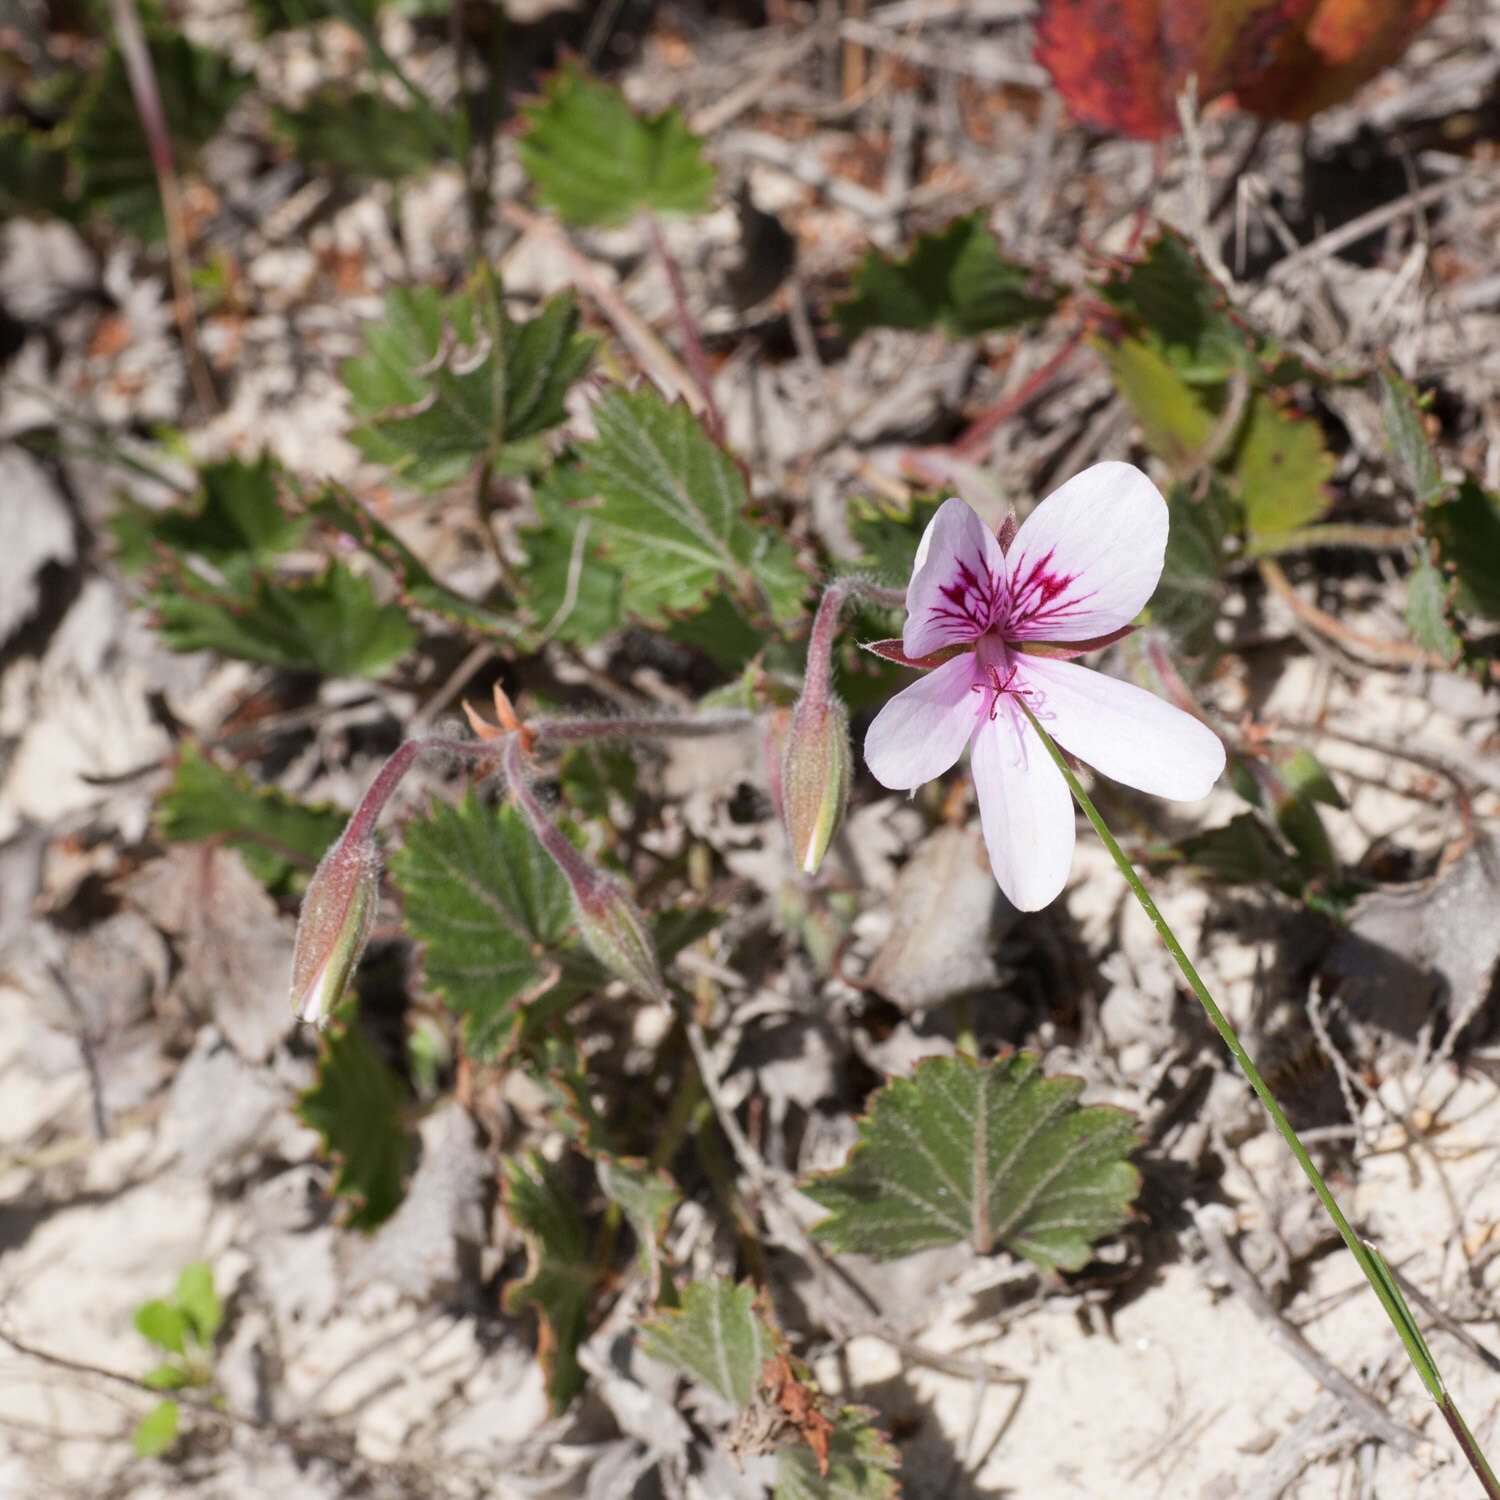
615, 931
815, 774
608, 920
337, 914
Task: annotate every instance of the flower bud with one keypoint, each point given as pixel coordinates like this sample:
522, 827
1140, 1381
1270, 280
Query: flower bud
337, 914
815, 777
608, 920
612, 926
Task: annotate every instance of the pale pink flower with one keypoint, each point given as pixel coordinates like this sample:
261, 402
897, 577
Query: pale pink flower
994, 625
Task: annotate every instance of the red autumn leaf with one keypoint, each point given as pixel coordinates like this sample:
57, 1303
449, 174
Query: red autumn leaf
1344, 44
1120, 66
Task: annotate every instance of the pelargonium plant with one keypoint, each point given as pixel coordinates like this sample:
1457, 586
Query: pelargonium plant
993, 621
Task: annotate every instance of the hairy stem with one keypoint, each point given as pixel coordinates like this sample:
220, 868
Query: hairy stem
142, 75
692, 343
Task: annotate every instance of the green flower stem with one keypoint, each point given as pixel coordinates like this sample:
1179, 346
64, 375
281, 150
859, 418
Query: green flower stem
1377, 1273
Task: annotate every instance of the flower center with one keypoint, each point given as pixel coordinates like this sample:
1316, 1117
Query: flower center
999, 666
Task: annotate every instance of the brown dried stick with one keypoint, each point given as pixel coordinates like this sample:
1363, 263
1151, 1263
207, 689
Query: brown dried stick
1364, 647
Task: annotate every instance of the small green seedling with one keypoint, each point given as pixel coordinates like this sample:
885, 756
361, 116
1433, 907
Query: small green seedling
185, 1326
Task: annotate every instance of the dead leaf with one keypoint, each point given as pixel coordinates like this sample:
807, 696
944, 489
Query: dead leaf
1342, 45
236, 949
1120, 67
949, 915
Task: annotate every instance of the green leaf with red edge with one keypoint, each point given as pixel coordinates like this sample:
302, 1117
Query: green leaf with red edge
331, 623
270, 829
560, 1271
357, 1107
1120, 64
992, 1153
955, 279
595, 161
1336, 50
418, 589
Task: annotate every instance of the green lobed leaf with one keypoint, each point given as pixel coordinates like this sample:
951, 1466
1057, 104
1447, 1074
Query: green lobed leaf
955, 279
117, 179
560, 1272
1191, 593
358, 135
673, 514
595, 161
199, 1302
494, 915
157, 1430
1175, 417
418, 589
162, 1323
862, 1464
1466, 529
1283, 467
330, 624
992, 1153
448, 382
572, 593
1171, 298
356, 1106
1241, 852
715, 1336
205, 801
235, 521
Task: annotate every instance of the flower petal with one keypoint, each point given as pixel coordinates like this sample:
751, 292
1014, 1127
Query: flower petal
1025, 809
1088, 557
957, 586
1122, 730
924, 728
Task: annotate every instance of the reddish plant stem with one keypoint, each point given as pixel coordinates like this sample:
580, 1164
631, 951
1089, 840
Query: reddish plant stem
142, 75
581, 876
973, 441
579, 731
692, 345
818, 675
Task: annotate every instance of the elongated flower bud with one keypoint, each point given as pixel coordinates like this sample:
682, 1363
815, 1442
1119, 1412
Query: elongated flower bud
608, 920
337, 914
615, 931
815, 777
